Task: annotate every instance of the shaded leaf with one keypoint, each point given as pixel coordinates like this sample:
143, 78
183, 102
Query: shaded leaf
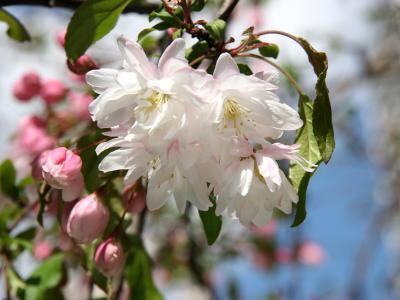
197, 50
211, 222
7, 179
15, 29
216, 29
91, 21
322, 116
309, 150
138, 274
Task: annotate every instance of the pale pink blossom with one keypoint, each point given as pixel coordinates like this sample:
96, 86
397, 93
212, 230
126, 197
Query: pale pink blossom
42, 250
53, 91
62, 170
134, 201
283, 255
87, 220
311, 253
109, 257
27, 86
79, 104
32, 137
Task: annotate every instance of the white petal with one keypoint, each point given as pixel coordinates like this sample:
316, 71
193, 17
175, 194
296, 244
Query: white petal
246, 176
225, 67
102, 79
158, 196
269, 170
285, 117
136, 58
116, 160
175, 50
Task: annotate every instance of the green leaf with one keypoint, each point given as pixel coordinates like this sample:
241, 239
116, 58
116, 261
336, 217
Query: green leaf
211, 222
272, 50
197, 50
309, 150
144, 32
49, 273
167, 18
138, 274
216, 29
15, 29
7, 179
91, 21
17, 285
322, 116
198, 5
245, 69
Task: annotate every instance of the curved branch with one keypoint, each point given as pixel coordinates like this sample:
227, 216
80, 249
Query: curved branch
140, 8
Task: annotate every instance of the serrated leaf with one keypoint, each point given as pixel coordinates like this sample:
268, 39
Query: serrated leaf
167, 18
15, 29
91, 21
211, 222
7, 179
322, 116
271, 50
198, 5
217, 29
139, 276
309, 150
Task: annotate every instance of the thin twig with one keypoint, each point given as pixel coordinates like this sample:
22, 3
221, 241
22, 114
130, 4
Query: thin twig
278, 67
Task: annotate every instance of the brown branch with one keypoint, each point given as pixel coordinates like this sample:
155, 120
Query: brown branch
226, 9
140, 8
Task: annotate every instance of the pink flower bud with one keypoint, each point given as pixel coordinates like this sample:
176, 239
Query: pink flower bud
53, 91
283, 255
32, 138
79, 105
87, 220
62, 170
27, 86
135, 201
310, 253
82, 65
109, 257
42, 250
60, 37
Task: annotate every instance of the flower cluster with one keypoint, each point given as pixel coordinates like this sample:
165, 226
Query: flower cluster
190, 134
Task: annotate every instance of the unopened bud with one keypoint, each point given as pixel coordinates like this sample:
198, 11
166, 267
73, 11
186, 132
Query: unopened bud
87, 220
53, 91
109, 257
82, 65
27, 86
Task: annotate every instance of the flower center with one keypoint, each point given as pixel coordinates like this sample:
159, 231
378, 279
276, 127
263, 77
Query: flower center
154, 102
234, 114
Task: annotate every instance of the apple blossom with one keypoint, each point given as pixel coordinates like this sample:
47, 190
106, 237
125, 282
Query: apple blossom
87, 219
79, 103
61, 169
109, 257
53, 91
82, 65
27, 86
